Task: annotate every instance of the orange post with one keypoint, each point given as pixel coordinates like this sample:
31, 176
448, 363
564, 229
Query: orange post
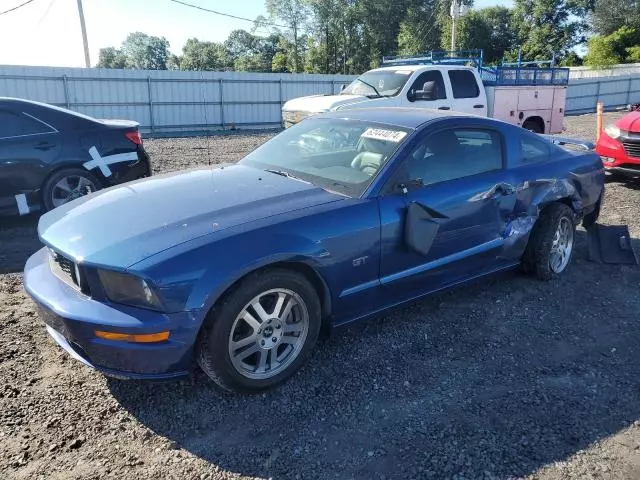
599, 112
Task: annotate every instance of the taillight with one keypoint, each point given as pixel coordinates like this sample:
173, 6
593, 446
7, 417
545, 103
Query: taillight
134, 137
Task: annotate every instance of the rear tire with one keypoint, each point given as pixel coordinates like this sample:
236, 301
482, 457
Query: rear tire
550, 247
533, 126
245, 349
66, 185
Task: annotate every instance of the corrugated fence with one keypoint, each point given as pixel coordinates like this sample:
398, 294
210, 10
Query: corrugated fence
177, 102
168, 101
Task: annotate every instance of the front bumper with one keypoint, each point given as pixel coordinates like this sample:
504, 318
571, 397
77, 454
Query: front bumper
614, 156
72, 319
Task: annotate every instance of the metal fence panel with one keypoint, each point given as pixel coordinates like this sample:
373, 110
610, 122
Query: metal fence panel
168, 101
177, 101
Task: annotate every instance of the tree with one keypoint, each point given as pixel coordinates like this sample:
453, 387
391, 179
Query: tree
146, 52
609, 15
546, 27
418, 31
111, 57
607, 50
198, 55
294, 13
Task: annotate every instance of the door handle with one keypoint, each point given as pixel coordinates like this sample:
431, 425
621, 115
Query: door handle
44, 146
444, 108
478, 106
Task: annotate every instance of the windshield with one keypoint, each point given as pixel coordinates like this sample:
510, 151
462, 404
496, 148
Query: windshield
383, 83
335, 154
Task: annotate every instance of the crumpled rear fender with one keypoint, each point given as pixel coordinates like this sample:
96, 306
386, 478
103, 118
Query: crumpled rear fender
531, 198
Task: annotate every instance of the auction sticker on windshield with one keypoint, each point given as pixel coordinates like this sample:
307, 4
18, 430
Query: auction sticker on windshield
383, 134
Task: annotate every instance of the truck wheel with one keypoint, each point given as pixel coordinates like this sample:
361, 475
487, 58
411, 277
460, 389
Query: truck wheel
261, 333
550, 247
66, 185
533, 126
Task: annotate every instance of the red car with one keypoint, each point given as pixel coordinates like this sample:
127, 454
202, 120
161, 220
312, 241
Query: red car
619, 145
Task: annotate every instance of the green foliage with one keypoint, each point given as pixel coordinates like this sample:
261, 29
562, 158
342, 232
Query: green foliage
609, 15
197, 55
607, 50
145, 52
633, 53
351, 36
111, 57
545, 27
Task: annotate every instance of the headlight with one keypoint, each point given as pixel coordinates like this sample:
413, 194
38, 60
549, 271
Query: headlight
129, 290
613, 131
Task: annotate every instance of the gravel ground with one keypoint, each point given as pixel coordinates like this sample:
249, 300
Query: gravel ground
506, 378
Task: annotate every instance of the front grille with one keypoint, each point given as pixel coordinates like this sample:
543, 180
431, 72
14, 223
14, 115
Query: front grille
632, 149
67, 271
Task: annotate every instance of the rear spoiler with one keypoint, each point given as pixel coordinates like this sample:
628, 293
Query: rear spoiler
585, 144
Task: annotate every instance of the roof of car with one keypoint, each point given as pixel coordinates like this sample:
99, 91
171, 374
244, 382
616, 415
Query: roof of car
406, 117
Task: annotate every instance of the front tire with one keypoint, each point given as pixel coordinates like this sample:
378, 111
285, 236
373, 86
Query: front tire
261, 333
550, 248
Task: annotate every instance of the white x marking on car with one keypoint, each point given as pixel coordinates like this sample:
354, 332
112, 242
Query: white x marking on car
103, 162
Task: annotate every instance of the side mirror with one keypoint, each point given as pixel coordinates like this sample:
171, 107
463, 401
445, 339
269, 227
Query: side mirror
428, 91
342, 87
411, 95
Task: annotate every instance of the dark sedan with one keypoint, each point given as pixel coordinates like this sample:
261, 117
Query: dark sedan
50, 155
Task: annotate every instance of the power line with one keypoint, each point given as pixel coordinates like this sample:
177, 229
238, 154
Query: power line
224, 14
16, 7
45, 13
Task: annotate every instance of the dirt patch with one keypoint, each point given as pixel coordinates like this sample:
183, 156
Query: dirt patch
504, 378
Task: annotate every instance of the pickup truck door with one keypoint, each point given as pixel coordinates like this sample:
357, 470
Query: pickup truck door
467, 92
427, 90
443, 212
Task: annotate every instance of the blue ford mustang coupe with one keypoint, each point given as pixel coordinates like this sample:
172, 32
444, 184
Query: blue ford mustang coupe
239, 267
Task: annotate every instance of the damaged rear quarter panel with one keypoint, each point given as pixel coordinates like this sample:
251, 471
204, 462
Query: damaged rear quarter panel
573, 178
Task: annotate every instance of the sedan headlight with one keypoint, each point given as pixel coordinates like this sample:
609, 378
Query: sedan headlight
613, 131
129, 290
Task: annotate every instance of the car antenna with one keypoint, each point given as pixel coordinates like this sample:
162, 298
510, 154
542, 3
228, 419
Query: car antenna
206, 121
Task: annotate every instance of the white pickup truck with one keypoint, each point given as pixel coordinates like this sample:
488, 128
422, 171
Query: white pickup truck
533, 98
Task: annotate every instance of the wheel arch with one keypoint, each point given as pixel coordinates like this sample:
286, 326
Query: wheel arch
538, 120
299, 266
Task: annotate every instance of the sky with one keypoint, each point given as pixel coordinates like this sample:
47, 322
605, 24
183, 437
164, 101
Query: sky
47, 32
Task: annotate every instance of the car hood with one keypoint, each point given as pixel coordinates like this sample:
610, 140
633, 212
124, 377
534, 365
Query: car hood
321, 103
630, 122
123, 225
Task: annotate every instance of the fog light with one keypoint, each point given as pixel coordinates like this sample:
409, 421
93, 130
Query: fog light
608, 159
139, 338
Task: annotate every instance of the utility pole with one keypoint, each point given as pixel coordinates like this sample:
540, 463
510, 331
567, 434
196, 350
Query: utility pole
454, 10
85, 42
454, 14
457, 10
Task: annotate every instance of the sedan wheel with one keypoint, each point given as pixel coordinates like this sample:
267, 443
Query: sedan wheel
69, 188
66, 185
260, 333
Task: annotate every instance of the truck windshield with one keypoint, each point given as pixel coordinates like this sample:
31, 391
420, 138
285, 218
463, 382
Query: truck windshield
378, 83
336, 154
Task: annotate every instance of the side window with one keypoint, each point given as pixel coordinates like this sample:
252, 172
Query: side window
455, 153
429, 86
31, 125
534, 150
9, 124
15, 125
464, 84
